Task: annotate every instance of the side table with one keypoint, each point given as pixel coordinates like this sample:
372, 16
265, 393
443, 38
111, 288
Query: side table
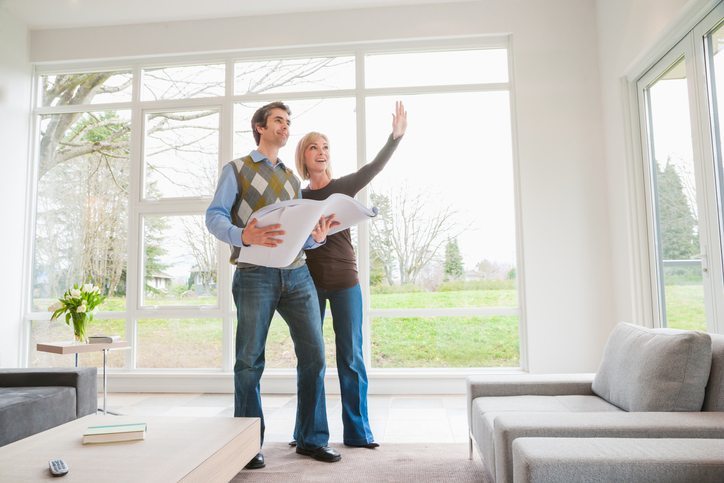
73, 347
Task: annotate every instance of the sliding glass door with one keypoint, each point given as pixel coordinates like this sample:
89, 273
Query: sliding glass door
681, 146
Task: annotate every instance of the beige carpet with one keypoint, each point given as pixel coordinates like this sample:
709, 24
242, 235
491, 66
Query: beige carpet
391, 462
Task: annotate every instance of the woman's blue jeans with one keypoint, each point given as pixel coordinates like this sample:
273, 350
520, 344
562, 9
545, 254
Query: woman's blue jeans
346, 307
258, 292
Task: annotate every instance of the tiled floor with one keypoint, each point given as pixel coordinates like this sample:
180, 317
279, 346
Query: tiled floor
394, 419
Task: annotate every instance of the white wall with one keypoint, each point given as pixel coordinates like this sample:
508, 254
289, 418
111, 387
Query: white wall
626, 30
561, 147
15, 78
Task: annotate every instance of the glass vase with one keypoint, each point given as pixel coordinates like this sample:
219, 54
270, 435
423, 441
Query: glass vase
79, 326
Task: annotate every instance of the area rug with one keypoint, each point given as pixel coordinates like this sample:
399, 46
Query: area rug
390, 463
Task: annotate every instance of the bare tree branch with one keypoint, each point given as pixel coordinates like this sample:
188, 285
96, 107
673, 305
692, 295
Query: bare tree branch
413, 231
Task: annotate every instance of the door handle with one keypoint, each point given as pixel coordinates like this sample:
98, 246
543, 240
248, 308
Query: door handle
702, 256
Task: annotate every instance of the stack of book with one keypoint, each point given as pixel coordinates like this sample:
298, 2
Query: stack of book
115, 433
103, 339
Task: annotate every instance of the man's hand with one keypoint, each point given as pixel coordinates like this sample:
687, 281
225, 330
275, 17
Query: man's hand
264, 236
321, 229
399, 120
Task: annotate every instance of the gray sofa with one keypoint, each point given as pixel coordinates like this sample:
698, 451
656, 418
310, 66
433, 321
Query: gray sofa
655, 407
33, 400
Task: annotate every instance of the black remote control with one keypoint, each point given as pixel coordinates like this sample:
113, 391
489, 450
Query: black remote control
58, 467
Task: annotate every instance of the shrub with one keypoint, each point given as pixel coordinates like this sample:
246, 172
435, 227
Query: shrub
477, 285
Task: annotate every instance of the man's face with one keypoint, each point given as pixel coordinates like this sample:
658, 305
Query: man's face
276, 131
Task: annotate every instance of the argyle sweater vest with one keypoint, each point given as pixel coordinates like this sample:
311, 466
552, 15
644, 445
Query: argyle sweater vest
259, 185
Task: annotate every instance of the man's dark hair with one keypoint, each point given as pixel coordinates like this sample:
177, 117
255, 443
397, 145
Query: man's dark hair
260, 116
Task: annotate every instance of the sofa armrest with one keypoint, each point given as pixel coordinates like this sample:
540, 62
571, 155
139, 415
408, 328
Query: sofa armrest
511, 426
665, 460
83, 379
493, 385
530, 385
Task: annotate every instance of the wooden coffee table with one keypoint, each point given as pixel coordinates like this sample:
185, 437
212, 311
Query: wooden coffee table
176, 449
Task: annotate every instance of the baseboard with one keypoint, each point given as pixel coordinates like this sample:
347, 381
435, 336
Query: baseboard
285, 382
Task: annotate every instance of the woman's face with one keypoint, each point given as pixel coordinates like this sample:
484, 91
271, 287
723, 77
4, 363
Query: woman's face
316, 156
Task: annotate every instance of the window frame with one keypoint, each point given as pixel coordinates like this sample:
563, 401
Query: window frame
140, 207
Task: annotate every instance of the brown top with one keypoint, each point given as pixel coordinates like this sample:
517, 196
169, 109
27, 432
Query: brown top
333, 266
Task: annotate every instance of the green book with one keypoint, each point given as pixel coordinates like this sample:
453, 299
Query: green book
115, 433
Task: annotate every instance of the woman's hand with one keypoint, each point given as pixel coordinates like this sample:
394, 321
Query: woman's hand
399, 120
321, 229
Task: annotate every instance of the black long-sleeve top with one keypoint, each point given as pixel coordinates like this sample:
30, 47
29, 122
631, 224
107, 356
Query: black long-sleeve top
333, 266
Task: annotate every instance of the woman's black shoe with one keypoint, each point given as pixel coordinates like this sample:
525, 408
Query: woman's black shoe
371, 445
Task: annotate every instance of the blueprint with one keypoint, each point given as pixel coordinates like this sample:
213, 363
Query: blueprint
298, 218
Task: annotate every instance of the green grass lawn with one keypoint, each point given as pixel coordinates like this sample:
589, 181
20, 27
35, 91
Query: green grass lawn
685, 307
445, 342
435, 300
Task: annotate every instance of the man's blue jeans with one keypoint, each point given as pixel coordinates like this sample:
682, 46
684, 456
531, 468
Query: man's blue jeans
346, 307
258, 291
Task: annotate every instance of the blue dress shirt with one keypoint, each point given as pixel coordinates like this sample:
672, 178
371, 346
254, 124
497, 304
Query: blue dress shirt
218, 215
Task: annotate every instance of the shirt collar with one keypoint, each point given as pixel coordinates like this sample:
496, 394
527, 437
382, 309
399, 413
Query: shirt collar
257, 157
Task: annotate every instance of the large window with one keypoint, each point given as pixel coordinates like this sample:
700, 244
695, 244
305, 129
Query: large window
128, 158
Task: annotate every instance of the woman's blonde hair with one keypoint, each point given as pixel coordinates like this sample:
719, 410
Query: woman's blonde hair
302, 145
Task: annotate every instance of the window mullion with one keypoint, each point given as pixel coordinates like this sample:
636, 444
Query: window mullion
224, 269
135, 230
363, 242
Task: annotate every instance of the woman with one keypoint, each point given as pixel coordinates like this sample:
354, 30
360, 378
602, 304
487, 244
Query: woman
334, 270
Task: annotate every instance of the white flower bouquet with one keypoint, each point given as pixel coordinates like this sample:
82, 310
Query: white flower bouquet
77, 304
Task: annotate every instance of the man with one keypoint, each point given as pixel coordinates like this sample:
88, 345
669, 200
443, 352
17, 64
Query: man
245, 185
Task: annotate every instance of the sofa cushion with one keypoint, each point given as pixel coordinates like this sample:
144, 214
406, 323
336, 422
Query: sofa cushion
652, 460
513, 425
654, 369
25, 411
714, 399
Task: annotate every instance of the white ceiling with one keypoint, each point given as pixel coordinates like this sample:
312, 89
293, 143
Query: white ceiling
50, 14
